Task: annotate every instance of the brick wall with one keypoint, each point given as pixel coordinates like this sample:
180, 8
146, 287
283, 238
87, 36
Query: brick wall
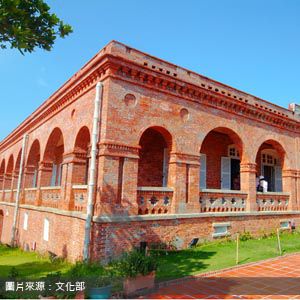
150, 172
111, 239
66, 233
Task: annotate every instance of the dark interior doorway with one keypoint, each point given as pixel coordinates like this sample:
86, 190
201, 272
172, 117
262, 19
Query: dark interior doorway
269, 177
235, 174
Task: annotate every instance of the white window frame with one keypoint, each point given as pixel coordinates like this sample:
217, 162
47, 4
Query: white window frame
165, 167
225, 185
34, 179
273, 153
274, 156
25, 221
203, 170
236, 154
46, 229
284, 225
218, 230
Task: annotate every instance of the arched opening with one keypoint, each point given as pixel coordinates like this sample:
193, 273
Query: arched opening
16, 171
220, 154
269, 163
2, 171
8, 173
1, 222
54, 156
156, 144
32, 165
82, 153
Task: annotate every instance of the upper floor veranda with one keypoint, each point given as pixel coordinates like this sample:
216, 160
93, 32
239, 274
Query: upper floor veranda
171, 141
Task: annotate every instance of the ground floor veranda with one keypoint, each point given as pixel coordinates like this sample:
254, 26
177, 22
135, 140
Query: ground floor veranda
152, 178
145, 193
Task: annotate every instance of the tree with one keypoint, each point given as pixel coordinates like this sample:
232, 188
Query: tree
27, 24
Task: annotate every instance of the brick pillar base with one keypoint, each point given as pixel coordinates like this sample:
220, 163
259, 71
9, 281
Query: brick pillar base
184, 176
248, 184
289, 180
117, 179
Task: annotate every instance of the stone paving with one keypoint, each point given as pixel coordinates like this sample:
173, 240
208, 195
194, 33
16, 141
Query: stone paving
270, 279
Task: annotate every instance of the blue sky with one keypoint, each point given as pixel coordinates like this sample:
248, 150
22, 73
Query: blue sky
251, 45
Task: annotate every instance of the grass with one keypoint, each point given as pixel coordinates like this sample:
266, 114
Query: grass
222, 254
206, 257
28, 264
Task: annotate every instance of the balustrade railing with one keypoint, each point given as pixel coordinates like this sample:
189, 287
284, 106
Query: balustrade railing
222, 201
272, 201
7, 195
154, 200
30, 195
80, 197
51, 196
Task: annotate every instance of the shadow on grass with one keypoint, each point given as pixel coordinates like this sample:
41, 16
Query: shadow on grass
182, 263
31, 269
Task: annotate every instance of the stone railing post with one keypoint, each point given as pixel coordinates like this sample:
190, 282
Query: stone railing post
248, 184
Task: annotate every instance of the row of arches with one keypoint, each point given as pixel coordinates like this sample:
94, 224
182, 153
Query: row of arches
52, 158
221, 154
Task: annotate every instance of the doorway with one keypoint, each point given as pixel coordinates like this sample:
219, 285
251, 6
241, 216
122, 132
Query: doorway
268, 173
235, 174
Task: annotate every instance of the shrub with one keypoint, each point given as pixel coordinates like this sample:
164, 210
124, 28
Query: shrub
245, 236
83, 269
134, 263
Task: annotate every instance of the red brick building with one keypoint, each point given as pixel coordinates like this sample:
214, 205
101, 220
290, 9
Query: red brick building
178, 156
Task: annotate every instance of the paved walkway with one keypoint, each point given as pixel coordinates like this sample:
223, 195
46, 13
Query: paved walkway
272, 279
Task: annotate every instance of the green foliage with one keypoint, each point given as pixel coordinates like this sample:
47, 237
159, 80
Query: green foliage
13, 273
245, 236
134, 263
27, 24
268, 235
82, 269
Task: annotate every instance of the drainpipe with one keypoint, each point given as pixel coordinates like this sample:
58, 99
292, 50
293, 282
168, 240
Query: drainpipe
14, 227
92, 170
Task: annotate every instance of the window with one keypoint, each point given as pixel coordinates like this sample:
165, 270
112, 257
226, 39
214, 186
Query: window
56, 175
269, 158
233, 152
46, 230
271, 169
220, 229
202, 171
35, 177
25, 222
284, 225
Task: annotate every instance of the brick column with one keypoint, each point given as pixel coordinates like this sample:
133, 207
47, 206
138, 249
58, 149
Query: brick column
73, 172
248, 184
117, 179
28, 176
184, 176
289, 180
14, 179
7, 181
44, 179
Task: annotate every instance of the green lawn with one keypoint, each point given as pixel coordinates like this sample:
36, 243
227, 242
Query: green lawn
222, 254
27, 264
211, 256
